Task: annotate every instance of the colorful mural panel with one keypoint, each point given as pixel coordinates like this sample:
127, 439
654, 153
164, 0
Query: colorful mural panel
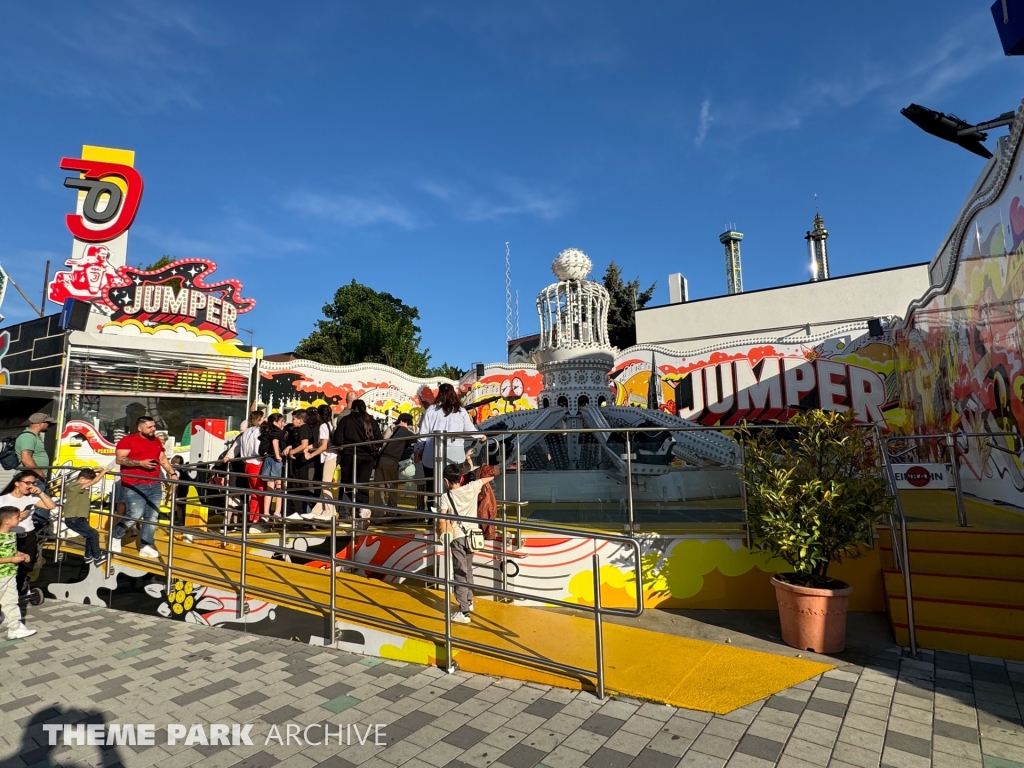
389, 392
960, 355
764, 383
677, 571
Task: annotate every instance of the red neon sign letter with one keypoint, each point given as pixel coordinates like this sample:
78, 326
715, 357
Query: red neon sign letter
94, 170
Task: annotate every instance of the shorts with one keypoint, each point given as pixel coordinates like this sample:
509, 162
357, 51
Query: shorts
272, 468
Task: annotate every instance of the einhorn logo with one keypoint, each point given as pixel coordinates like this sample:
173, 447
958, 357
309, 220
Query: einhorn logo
918, 477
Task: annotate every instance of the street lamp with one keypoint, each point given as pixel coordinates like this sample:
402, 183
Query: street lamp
952, 128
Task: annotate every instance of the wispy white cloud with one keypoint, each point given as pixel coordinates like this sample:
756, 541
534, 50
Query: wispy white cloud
136, 56
703, 122
350, 210
236, 237
922, 76
510, 198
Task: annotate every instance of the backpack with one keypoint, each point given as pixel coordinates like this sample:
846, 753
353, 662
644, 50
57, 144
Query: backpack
9, 458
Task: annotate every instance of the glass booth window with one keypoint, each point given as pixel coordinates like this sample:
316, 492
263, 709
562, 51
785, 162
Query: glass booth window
114, 416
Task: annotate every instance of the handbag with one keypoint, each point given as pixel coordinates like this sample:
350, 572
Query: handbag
474, 539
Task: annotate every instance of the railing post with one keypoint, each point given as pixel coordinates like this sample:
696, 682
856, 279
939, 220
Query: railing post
629, 483
334, 579
110, 530
242, 562
961, 508
60, 518
449, 665
519, 495
903, 542
170, 538
352, 498
598, 627
743, 493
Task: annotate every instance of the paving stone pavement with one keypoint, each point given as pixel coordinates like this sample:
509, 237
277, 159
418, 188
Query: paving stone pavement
94, 665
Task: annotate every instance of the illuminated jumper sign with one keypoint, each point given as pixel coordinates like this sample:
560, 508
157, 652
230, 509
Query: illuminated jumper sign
177, 294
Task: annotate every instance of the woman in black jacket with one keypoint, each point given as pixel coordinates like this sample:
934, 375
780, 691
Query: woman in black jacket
358, 427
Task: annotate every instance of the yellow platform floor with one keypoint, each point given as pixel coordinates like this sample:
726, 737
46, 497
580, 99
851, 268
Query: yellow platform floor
648, 665
937, 509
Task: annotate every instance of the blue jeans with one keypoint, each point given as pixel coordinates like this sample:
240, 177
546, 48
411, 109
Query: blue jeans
80, 525
141, 501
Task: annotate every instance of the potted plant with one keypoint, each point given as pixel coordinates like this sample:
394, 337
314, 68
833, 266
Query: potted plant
814, 492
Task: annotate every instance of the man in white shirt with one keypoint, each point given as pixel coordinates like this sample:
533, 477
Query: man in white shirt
461, 501
248, 449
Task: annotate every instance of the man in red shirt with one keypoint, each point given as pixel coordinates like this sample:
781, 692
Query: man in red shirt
140, 457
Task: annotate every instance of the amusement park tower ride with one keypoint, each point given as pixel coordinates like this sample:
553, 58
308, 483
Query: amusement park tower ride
733, 271
817, 249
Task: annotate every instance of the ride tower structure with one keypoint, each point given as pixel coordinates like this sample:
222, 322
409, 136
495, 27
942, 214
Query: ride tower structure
575, 359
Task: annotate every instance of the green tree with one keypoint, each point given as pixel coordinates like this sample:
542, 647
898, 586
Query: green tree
446, 371
163, 261
362, 325
625, 299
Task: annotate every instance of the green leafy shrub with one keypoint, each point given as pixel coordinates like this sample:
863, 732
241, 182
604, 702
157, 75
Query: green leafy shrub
814, 494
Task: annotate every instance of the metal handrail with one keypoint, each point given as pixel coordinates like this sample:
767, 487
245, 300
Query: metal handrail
334, 561
902, 559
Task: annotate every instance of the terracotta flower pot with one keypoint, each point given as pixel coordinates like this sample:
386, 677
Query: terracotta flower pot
812, 619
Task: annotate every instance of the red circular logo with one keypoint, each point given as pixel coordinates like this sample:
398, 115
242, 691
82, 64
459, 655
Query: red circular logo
917, 476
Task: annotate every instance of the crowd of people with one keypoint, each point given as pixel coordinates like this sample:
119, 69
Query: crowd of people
318, 459
321, 459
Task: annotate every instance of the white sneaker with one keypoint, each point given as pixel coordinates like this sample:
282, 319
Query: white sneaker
148, 551
115, 545
294, 516
187, 537
460, 618
307, 515
20, 632
364, 513
470, 607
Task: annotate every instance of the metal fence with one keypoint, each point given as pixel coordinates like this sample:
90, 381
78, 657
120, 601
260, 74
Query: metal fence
503, 448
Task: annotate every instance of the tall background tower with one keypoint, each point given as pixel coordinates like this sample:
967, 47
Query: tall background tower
817, 249
733, 272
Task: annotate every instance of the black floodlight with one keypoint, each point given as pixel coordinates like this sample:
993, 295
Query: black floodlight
952, 128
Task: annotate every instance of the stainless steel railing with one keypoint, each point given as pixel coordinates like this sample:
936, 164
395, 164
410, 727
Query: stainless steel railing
174, 566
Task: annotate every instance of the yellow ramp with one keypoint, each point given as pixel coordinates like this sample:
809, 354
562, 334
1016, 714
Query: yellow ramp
648, 665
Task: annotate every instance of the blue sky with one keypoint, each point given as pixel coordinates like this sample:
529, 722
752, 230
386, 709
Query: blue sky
402, 144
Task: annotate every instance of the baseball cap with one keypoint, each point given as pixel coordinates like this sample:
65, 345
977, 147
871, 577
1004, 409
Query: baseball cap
39, 418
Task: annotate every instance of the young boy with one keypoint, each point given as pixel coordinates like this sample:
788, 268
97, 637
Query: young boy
76, 511
10, 558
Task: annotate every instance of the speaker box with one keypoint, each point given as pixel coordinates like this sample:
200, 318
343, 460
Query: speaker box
875, 328
480, 370
75, 315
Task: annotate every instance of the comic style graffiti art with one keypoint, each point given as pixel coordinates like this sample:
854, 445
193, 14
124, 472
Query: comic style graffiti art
960, 356
386, 391
764, 383
502, 391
